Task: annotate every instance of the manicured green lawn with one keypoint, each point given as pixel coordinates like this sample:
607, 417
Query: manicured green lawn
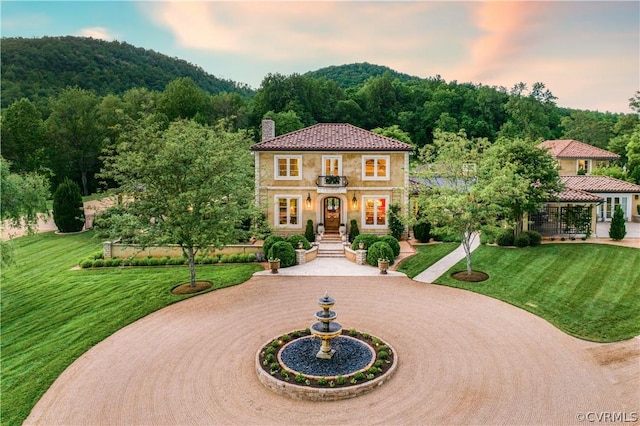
591, 291
427, 255
52, 314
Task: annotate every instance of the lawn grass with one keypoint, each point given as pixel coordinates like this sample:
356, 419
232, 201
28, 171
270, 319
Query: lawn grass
591, 291
52, 314
427, 255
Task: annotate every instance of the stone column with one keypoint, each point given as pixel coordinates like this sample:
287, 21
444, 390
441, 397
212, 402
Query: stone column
106, 249
301, 257
361, 257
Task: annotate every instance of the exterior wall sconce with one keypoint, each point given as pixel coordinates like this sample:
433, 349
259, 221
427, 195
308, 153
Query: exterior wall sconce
354, 201
308, 200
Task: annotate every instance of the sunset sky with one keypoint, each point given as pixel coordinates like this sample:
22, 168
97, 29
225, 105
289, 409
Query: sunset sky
587, 53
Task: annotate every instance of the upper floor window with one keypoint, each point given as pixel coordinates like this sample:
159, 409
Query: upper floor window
288, 167
375, 167
584, 167
332, 165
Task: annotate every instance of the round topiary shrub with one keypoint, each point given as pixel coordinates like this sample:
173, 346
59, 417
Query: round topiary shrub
68, 210
521, 240
505, 238
379, 250
284, 251
269, 241
534, 238
367, 239
422, 232
295, 239
393, 243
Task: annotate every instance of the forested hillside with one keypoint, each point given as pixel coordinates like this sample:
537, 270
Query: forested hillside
67, 101
353, 75
39, 67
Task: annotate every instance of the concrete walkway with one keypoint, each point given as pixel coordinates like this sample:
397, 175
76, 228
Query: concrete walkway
432, 273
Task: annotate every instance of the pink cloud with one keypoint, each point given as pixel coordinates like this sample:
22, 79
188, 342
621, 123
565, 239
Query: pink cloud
508, 29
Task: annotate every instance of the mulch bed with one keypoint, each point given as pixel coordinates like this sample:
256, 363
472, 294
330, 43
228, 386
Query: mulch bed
474, 277
187, 289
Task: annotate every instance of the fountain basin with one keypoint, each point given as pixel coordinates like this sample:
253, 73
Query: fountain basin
324, 387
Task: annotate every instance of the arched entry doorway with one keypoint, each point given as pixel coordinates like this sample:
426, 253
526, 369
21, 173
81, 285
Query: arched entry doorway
332, 210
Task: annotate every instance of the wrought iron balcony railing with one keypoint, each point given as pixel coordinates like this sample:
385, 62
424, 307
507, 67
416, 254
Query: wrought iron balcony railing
332, 181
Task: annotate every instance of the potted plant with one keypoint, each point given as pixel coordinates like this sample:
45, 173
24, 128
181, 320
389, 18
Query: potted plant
383, 265
320, 228
274, 265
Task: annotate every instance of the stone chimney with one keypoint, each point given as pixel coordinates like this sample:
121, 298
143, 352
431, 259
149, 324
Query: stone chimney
268, 129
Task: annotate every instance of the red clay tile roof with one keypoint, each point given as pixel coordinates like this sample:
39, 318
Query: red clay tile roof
576, 195
331, 137
599, 184
569, 148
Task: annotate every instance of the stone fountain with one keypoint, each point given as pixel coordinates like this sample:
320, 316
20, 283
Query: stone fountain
324, 363
326, 329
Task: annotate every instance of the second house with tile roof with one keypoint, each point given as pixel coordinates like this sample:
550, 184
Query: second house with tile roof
329, 173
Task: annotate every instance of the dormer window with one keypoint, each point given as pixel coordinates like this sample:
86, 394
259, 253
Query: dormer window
583, 167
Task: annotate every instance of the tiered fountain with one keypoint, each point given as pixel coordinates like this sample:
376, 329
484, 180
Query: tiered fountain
326, 329
323, 362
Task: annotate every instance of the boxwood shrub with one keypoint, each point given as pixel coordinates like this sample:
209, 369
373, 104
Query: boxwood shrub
368, 240
521, 240
295, 239
377, 251
269, 241
534, 238
393, 243
284, 251
505, 238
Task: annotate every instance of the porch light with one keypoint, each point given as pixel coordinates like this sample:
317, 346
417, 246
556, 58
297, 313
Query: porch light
354, 201
308, 200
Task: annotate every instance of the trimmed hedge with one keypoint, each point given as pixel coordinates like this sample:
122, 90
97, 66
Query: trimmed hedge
269, 241
377, 251
393, 243
368, 240
534, 238
295, 239
284, 251
162, 261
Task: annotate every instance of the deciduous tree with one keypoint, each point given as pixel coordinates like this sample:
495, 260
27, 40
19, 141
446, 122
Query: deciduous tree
189, 184
462, 191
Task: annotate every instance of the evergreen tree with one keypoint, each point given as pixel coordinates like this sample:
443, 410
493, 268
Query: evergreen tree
617, 230
68, 210
308, 232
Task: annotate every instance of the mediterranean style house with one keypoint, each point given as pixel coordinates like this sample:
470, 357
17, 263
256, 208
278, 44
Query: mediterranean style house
592, 198
329, 173
577, 158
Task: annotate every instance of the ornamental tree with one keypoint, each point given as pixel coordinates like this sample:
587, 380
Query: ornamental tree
461, 190
534, 166
188, 184
618, 229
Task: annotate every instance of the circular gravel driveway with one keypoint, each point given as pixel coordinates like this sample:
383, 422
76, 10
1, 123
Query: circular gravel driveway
464, 359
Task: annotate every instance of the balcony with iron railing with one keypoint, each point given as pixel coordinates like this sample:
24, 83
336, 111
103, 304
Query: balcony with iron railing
332, 181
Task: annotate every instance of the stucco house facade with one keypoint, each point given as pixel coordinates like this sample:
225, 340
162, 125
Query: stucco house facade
597, 194
329, 173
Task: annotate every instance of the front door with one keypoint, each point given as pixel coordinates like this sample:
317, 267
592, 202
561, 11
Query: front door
331, 214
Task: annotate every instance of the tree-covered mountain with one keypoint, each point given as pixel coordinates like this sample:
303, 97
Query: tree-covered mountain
39, 67
353, 75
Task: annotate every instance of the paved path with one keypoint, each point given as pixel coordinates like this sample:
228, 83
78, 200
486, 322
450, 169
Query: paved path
463, 359
432, 273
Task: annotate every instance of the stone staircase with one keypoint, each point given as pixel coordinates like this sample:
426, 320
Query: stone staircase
330, 246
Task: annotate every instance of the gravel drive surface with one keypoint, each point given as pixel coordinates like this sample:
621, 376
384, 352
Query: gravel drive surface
464, 359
